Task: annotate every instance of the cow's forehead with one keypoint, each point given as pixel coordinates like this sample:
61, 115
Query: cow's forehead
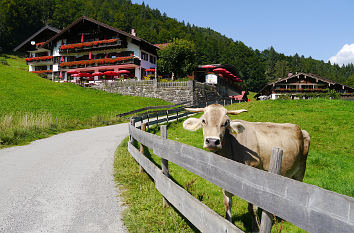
215, 113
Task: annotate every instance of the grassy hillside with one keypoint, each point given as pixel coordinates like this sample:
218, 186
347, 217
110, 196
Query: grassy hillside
28, 101
330, 163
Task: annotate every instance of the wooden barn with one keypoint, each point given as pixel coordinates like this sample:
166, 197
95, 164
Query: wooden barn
302, 85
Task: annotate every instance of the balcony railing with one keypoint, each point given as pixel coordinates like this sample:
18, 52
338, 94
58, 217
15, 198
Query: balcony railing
39, 59
42, 71
100, 62
299, 89
93, 45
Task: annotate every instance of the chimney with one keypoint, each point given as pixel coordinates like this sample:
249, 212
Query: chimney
133, 32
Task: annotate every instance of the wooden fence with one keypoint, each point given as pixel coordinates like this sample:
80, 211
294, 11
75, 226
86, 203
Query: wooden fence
307, 206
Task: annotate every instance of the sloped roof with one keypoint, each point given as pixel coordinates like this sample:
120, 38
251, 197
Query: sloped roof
82, 18
305, 74
46, 27
162, 46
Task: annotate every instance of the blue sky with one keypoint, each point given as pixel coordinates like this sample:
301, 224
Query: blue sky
318, 28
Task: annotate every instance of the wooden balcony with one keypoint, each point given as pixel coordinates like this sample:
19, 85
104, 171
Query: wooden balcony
101, 62
93, 46
39, 60
300, 90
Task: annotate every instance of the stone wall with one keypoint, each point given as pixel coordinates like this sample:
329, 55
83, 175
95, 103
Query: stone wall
174, 92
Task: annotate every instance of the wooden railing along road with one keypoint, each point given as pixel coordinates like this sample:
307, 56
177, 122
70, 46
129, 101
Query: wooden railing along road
307, 206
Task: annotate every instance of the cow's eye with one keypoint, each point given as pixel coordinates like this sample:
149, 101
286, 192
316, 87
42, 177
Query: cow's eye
203, 122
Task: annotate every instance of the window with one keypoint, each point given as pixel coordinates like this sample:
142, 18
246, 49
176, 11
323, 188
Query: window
152, 59
144, 56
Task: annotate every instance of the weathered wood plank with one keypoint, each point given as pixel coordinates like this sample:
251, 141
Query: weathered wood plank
304, 205
200, 215
274, 167
164, 162
148, 166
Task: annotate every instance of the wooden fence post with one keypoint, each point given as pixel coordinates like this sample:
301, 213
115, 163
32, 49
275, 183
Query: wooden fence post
164, 165
177, 110
142, 148
132, 122
274, 167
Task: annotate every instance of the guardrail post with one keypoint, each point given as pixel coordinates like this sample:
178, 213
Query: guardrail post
148, 123
167, 116
164, 165
224, 102
274, 167
177, 111
142, 147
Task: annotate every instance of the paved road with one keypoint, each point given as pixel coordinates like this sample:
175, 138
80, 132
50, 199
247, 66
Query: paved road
62, 184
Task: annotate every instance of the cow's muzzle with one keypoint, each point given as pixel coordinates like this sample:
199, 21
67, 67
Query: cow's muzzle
212, 143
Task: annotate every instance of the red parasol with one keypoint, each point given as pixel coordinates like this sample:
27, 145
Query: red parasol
110, 73
98, 74
123, 72
84, 75
150, 70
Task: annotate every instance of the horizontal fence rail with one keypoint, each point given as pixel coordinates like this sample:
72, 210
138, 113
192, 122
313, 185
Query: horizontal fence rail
307, 206
152, 107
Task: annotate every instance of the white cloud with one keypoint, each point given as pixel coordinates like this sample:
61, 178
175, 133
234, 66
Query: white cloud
344, 56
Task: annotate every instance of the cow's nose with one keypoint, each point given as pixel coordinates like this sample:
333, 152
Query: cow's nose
212, 142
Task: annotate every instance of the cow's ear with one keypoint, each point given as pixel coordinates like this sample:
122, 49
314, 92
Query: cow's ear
192, 124
237, 127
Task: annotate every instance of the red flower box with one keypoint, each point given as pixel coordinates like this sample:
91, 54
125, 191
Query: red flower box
29, 59
96, 61
42, 71
87, 44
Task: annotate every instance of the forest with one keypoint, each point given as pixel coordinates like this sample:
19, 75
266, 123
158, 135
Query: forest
20, 19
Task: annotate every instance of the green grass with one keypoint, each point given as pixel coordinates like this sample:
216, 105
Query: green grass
65, 106
330, 163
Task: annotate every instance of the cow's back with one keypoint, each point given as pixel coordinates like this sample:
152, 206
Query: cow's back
261, 137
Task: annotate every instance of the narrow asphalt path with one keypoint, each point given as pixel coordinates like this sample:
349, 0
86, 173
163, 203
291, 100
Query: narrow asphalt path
62, 184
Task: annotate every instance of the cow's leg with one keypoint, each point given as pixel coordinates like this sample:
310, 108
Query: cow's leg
228, 204
252, 209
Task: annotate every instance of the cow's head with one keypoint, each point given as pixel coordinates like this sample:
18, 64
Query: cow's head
214, 122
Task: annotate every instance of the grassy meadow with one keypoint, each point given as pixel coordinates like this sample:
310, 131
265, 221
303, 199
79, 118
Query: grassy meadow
330, 164
32, 107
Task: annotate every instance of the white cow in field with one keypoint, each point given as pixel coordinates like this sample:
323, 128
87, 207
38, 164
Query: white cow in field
251, 143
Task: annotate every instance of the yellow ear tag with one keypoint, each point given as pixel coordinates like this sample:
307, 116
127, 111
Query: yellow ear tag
234, 132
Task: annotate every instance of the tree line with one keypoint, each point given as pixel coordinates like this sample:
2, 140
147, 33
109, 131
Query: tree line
20, 19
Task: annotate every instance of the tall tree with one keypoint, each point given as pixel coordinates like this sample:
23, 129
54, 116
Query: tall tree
178, 58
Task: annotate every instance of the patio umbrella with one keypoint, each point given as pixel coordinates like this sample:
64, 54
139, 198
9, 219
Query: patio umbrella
150, 70
75, 75
98, 74
84, 75
110, 73
125, 71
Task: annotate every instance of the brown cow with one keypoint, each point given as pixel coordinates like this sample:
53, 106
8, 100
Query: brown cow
251, 143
